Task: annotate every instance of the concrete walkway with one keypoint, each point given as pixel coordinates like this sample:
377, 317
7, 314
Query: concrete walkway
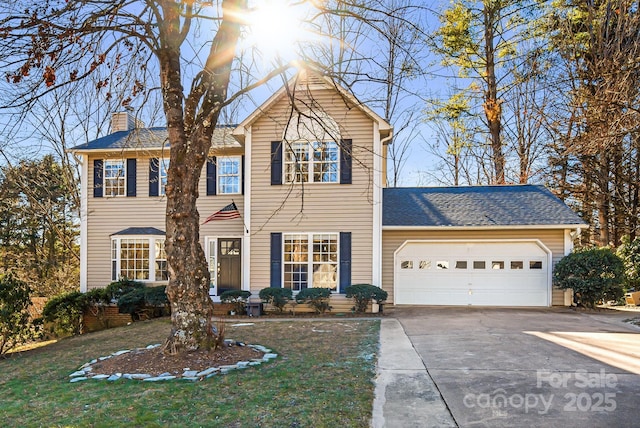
405, 395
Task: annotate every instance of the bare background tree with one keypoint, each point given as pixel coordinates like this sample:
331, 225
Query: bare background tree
596, 162
189, 50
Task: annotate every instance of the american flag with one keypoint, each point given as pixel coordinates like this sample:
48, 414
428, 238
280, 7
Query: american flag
227, 213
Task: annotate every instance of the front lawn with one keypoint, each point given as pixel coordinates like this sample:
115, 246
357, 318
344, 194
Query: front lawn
322, 378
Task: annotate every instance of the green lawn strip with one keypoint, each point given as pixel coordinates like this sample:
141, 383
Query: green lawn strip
323, 377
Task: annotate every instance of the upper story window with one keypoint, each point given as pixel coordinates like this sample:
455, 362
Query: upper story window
229, 174
316, 162
163, 169
114, 178
158, 173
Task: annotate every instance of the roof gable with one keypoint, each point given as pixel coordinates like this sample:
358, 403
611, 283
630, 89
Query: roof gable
480, 206
310, 80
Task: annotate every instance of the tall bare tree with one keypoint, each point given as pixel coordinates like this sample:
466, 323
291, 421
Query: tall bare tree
193, 47
481, 39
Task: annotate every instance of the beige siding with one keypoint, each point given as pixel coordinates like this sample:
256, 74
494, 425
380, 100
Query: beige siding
314, 207
108, 215
391, 241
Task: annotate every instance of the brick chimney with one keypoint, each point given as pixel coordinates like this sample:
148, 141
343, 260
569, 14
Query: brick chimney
124, 121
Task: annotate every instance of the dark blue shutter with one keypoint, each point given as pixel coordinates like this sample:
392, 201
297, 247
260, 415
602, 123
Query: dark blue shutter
276, 260
131, 177
242, 172
345, 260
211, 176
98, 167
276, 162
345, 161
154, 177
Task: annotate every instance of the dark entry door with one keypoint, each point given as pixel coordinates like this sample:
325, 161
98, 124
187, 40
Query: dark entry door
229, 264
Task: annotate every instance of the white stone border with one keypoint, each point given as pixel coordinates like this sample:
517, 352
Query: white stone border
85, 371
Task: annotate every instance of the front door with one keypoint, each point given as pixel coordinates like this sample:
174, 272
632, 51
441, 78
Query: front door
229, 275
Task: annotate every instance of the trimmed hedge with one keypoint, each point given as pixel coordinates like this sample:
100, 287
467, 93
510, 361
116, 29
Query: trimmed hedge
317, 298
362, 294
277, 297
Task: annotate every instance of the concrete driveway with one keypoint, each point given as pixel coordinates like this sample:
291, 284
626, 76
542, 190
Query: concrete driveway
529, 367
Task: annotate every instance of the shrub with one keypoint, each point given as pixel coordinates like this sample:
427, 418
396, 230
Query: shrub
277, 297
238, 298
65, 312
121, 287
317, 298
594, 274
15, 326
362, 294
152, 301
629, 252
95, 302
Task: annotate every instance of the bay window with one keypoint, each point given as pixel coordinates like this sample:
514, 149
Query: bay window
138, 258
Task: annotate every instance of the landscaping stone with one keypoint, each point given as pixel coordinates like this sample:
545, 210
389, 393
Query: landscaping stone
208, 371
140, 376
114, 377
158, 378
85, 370
100, 376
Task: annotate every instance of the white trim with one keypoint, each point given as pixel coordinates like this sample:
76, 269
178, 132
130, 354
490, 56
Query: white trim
124, 177
84, 250
230, 157
568, 242
246, 253
244, 284
376, 271
462, 241
494, 227
151, 240
310, 260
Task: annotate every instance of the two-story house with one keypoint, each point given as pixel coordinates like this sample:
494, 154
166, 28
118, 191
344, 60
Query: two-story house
306, 172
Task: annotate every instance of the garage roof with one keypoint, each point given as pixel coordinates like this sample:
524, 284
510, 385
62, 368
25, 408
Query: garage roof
479, 206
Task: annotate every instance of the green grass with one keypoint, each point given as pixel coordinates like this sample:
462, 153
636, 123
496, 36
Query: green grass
323, 377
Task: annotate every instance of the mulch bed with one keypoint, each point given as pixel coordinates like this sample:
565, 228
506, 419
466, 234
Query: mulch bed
154, 362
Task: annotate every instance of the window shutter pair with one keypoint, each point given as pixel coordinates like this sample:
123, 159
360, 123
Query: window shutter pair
212, 174
98, 168
345, 260
277, 155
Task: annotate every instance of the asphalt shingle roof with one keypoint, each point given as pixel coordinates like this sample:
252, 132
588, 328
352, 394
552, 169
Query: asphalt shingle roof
151, 138
517, 205
140, 231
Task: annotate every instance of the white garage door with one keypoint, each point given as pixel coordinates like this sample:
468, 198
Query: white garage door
495, 273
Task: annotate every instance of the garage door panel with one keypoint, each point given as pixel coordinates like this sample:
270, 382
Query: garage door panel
480, 273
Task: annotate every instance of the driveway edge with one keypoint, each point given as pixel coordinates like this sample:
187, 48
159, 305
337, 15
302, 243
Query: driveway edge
405, 394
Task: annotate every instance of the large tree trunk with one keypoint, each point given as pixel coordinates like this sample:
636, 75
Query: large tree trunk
188, 289
191, 122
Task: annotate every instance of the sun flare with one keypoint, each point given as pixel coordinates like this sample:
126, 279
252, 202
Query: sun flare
276, 27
